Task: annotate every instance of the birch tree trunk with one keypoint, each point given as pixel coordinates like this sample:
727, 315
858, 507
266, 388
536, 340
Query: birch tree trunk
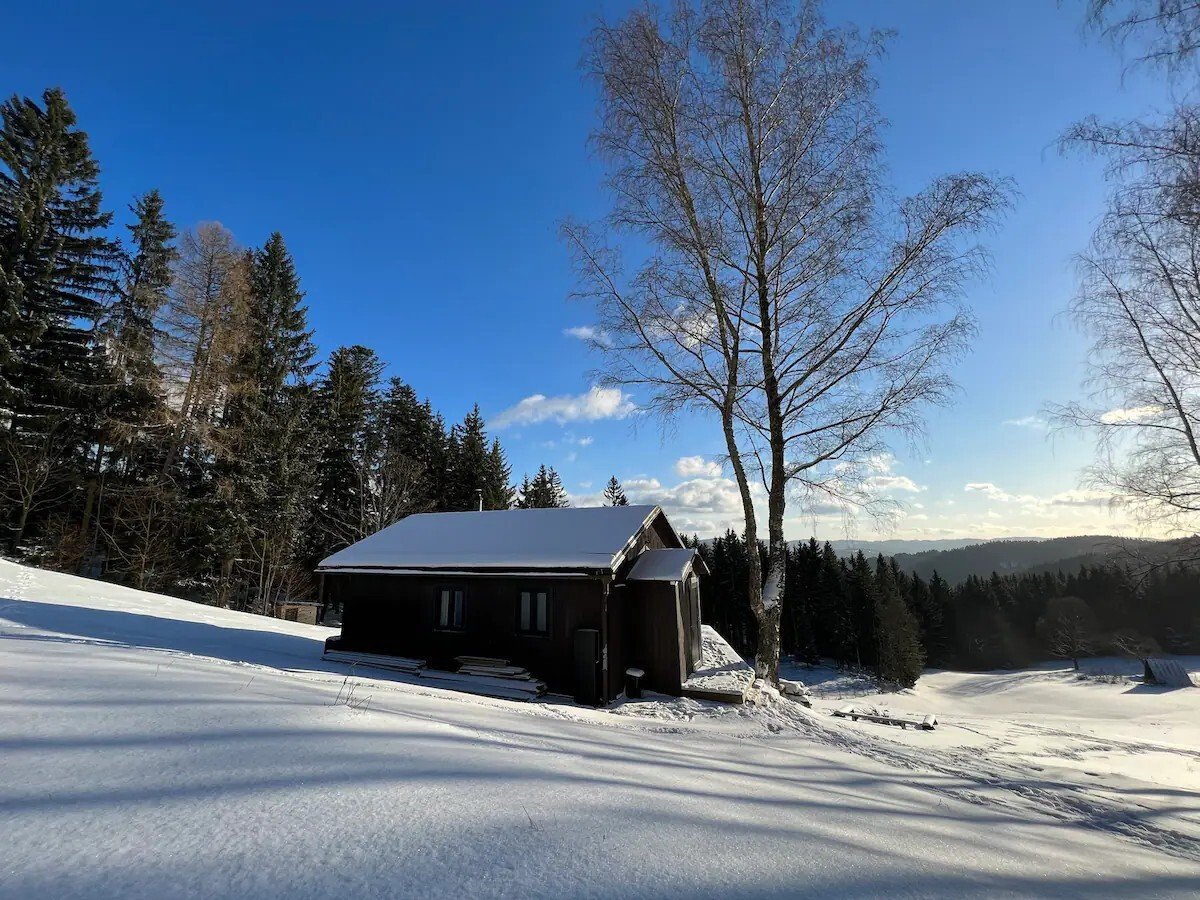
784, 290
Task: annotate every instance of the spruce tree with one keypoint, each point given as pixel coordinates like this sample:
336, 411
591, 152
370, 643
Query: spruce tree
129, 331
498, 491
478, 471
57, 264
268, 460
56, 270
342, 506
862, 605
439, 453
545, 491
900, 657
614, 494
407, 467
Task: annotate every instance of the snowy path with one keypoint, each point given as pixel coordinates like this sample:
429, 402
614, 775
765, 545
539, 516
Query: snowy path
152, 748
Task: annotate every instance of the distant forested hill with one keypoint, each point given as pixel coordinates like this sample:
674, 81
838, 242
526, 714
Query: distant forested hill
1067, 554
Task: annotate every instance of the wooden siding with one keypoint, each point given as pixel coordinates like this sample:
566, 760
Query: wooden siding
647, 624
654, 635
397, 615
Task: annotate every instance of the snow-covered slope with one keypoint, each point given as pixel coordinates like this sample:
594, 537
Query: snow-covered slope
153, 748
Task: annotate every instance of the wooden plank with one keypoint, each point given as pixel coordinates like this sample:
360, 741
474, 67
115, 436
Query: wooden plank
715, 694
507, 684
397, 663
502, 671
481, 661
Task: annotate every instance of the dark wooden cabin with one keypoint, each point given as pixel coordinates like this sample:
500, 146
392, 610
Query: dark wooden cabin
576, 596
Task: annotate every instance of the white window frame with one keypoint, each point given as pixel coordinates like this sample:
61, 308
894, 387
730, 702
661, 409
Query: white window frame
533, 611
450, 608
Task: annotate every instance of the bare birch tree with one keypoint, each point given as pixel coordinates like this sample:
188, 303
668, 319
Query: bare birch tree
783, 287
1139, 294
1167, 31
1139, 300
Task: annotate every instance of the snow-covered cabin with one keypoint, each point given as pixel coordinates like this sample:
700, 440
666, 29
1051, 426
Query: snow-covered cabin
575, 596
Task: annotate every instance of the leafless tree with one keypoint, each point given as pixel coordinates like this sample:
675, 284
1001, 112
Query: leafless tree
32, 475
1140, 302
1068, 629
1167, 31
398, 489
1139, 296
202, 328
140, 535
783, 287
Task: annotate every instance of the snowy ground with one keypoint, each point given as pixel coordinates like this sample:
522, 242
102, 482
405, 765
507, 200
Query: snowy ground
154, 748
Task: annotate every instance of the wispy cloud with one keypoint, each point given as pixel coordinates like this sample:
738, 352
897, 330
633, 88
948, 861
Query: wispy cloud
1131, 414
598, 403
1032, 501
1036, 423
588, 333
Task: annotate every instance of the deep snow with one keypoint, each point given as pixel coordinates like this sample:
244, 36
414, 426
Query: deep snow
151, 747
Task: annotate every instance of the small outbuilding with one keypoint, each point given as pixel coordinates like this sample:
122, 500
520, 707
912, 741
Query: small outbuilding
573, 597
306, 612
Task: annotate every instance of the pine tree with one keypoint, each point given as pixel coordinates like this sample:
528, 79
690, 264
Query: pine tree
129, 331
342, 507
268, 461
439, 453
900, 657
545, 491
614, 494
862, 609
498, 491
407, 470
56, 268
478, 472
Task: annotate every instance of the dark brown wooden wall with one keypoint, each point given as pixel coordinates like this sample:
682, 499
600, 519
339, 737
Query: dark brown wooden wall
652, 633
397, 615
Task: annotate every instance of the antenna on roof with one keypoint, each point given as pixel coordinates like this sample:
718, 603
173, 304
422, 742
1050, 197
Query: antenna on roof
479, 491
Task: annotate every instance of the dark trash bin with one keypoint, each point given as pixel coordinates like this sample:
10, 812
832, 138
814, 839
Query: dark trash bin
633, 683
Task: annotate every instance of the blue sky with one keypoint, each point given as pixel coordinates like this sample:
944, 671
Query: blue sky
418, 160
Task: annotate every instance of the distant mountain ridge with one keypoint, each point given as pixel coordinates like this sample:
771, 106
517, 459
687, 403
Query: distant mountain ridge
956, 559
1008, 557
894, 546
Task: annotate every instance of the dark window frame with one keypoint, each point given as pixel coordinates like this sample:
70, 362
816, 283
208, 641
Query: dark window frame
533, 592
462, 604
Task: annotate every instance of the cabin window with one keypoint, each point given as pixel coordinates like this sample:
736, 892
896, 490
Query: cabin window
450, 608
533, 613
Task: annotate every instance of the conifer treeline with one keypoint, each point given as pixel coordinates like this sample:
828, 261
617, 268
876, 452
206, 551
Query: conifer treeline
871, 614
162, 422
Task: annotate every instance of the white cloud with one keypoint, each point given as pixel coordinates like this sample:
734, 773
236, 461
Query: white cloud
989, 490
884, 483
642, 483
704, 505
588, 333
692, 466
1081, 498
884, 478
598, 403
1037, 423
1032, 502
1132, 414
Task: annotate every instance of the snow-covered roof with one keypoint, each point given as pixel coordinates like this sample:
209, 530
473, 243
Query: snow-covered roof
591, 538
662, 565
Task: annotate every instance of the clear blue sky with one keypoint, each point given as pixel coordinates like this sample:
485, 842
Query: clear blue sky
418, 158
